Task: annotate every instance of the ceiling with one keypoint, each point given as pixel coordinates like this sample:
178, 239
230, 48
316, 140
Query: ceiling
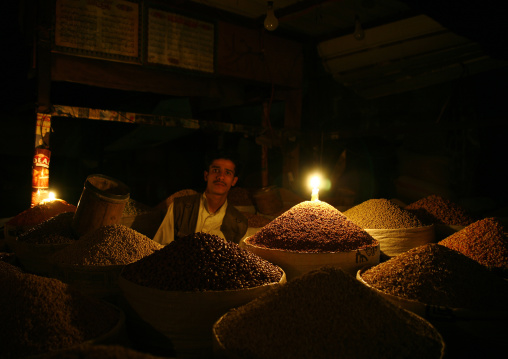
423, 42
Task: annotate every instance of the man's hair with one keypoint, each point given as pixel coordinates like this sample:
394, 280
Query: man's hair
224, 154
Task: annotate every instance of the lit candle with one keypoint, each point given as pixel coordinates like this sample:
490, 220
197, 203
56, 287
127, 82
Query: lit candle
315, 182
51, 197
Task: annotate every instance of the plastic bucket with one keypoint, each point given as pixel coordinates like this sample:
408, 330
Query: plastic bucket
102, 203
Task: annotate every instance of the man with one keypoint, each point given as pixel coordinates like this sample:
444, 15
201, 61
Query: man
207, 212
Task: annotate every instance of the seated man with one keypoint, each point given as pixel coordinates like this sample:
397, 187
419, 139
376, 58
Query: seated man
207, 212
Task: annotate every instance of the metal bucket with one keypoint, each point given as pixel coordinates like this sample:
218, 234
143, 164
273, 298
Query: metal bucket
102, 203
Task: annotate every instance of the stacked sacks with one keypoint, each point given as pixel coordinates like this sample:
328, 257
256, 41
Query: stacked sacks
396, 229
312, 234
41, 315
182, 289
325, 313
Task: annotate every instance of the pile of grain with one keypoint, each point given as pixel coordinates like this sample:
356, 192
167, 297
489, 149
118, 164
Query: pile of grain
100, 352
42, 314
56, 230
325, 313
133, 207
382, 213
435, 209
202, 262
485, 241
436, 275
312, 226
255, 220
108, 245
40, 213
238, 196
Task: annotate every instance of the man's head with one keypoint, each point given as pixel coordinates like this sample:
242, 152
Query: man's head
220, 174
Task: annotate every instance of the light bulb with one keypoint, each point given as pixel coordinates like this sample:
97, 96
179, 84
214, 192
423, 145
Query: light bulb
359, 33
271, 21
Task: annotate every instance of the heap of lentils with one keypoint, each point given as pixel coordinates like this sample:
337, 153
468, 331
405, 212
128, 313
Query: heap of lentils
256, 220
325, 313
485, 241
102, 351
40, 315
40, 213
202, 262
113, 244
436, 275
380, 213
56, 230
435, 209
312, 226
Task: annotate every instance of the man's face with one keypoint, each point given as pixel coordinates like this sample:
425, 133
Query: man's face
220, 176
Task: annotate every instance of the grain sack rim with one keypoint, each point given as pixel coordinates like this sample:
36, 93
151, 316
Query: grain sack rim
394, 241
245, 245
126, 282
432, 311
222, 352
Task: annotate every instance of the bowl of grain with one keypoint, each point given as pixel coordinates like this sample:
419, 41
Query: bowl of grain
310, 235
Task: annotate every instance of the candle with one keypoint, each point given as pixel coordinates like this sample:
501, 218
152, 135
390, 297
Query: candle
315, 181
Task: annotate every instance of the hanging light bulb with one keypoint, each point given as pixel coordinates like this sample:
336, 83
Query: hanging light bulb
359, 33
271, 21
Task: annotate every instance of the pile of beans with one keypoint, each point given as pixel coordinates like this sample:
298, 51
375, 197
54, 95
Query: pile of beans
435, 209
202, 262
56, 230
255, 220
485, 241
436, 275
312, 226
40, 213
42, 314
382, 213
108, 245
325, 313
238, 196
100, 352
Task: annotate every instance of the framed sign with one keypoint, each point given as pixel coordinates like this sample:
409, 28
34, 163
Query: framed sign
179, 41
107, 29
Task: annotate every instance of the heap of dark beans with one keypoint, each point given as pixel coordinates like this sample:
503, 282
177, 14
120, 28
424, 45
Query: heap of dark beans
380, 213
239, 196
202, 262
312, 226
114, 244
435, 209
256, 220
436, 275
325, 313
56, 230
42, 314
485, 241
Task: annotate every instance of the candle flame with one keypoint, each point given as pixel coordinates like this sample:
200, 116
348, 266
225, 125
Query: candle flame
315, 181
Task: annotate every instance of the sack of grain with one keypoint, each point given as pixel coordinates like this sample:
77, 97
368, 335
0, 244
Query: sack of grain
396, 241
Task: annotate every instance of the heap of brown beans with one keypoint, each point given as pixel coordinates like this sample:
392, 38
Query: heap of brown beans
437, 275
56, 230
202, 262
382, 213
255, 220
312, 226
40, 213
325, 313
485, 241
42, 314
435, 209
108, 245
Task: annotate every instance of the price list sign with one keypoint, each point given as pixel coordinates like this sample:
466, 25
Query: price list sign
180, 41
98, 28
